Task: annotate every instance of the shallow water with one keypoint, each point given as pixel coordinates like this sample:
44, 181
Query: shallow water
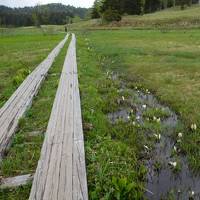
160, 183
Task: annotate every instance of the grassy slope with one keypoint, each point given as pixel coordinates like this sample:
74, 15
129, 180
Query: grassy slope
22, 49
170, 18
24, 153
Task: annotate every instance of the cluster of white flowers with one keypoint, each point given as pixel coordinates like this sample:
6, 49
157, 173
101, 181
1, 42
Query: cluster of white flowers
173, 164
147, 91
156, 119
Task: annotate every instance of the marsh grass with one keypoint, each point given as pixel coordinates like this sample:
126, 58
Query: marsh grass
165, 63
156, 112
112, 151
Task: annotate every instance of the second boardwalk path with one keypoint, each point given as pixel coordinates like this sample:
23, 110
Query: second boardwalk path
22, 98
61, 171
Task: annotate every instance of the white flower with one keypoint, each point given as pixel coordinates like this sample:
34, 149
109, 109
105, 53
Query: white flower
180, 135
147, 119
138, 117
191, 193
128, 117
136, 87
144, 106
174, 164
131, 110
194, 127
154, 118
134, 123
175, 149
146, 147
158, 120
157, 136
179, 140
123, 98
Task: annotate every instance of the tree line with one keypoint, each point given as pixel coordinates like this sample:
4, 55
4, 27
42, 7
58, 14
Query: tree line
40, 14
113, 9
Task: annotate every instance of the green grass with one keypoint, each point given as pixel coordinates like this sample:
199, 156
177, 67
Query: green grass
167, 63
22, 49
169, 18
151, 113
114, 170
24, 153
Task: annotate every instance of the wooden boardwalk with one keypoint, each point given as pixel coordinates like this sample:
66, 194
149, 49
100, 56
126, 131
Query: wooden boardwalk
21, 99
61, 172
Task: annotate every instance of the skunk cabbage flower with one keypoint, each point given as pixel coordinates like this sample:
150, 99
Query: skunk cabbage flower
180, 135
146, 147
194, 127
144, 106
138, 117
175, 149
158, 120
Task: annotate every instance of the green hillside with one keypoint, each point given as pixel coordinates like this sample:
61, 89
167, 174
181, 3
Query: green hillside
171, 18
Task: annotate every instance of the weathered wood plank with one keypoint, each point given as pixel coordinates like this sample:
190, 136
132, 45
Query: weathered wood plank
15, 181
61, 172
79, 169
21, 99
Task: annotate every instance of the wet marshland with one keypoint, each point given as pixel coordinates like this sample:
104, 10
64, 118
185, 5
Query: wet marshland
168, 175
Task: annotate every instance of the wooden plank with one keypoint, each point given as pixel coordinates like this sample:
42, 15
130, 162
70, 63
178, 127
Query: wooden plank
22, 98
16, 181
79, 170
61, 172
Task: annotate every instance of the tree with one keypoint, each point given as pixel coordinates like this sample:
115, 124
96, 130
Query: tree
96, 10
183, 3
111, 15
41, 14
36, 16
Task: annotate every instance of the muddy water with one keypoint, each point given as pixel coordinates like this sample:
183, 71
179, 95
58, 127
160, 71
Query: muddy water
163, 181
